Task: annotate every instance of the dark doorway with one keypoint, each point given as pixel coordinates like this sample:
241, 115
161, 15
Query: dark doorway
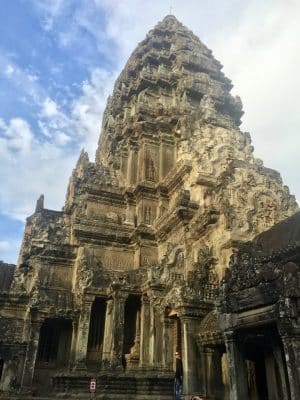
131, 322
96, 331
54, 343
265, 366
256, 372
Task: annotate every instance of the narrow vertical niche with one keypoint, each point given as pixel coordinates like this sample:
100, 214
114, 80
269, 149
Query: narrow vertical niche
131, 325
96, 330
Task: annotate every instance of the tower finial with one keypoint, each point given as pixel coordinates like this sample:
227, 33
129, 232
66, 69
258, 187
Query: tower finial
39, 204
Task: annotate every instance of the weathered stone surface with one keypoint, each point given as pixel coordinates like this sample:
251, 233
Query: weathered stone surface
121, 278
259, 310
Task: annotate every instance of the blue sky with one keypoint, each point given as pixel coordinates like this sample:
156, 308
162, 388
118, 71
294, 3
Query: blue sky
58, 63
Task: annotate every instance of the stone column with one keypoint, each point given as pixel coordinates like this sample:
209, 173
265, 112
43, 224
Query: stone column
83, 334
134, 358
279, 363
114, 331
190, 357
203, 373
73, 343
291, 346
168, 344
210, 387
152, 336
237, 371
145, 333
31, 355
132, 166
108, 332
158, 343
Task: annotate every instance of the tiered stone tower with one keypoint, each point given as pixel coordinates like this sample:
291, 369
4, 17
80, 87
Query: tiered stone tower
125, 273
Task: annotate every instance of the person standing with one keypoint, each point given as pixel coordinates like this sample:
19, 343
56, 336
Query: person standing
178, 376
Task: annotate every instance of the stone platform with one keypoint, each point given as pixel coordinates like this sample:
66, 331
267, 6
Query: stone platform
112, 386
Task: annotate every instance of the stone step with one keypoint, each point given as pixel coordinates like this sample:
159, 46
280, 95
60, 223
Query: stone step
112, 386
87, 396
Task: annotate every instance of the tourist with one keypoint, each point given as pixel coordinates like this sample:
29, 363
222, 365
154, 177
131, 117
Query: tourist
178, 376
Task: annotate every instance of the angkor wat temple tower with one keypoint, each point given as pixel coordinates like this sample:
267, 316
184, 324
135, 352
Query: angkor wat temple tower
126, 274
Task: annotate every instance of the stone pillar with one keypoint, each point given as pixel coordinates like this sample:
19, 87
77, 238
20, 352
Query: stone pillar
168, 344
114, 331
280, 365
190, 357
161, 161
274, 387
132, 166
237, 371
145, 333
108, 332
291, 346
210, 387
83, 334
134, 358
31, 355
73, 343
152, 336
158, 343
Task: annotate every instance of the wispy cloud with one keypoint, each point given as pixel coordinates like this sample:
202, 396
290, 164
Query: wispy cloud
40, 160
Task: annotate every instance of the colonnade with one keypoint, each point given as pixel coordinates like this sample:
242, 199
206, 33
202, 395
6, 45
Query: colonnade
151, 345
138, 333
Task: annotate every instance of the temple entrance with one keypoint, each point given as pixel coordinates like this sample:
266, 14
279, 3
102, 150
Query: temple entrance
265, 368
54, 343
256, 372
131, 342
96, 331
176, 336
53, 351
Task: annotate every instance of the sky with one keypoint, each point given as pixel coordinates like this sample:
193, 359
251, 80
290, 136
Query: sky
58, 63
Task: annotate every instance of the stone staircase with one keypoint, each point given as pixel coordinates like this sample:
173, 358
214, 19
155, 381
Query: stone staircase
116, 386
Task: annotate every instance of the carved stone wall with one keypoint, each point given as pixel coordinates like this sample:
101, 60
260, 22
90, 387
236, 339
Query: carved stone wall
174, 190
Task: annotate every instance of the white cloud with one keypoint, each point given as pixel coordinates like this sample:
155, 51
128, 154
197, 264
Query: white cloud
38, 164
88, 108
51, 10
62, 139
9, 70
17, 136
49, 108
25, 175
260, 55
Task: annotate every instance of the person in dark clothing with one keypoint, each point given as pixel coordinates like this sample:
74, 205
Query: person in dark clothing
178, 377
179, 368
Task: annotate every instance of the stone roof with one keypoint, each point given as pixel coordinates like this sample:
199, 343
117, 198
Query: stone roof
280, 235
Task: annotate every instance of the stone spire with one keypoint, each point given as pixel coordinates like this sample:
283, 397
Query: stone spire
170, 76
